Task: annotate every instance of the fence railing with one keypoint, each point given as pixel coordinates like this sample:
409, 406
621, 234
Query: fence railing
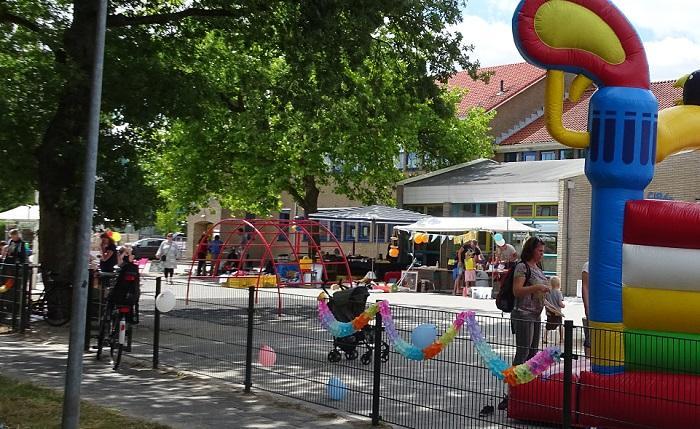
233, 335
14, 296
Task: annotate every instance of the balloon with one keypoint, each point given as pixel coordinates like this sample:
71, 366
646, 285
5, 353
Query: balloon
394, 251
116, 236
498, 238
165, 301
424, 335
336, 389
267, 356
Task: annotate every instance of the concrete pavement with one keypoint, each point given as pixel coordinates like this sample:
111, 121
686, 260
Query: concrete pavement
174, 399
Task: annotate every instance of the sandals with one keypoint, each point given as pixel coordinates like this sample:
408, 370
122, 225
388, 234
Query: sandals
486, 411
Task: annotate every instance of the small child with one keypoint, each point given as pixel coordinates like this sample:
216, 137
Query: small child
554, 302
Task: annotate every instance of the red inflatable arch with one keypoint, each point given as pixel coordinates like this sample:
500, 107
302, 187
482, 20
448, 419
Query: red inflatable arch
254, 252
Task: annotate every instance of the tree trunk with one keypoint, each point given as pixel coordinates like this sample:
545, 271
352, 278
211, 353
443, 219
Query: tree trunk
61, 154
310, 205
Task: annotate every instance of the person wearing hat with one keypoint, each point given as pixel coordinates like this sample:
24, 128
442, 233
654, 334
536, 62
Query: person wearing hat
505, 253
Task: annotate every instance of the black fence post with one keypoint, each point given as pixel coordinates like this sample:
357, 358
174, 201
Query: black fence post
249, 341
88, 321
377, 370
568, 368
26, 298
15, 298
156, 326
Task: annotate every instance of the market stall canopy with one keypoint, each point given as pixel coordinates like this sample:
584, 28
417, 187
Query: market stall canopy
459, 225
21, 213
377, 214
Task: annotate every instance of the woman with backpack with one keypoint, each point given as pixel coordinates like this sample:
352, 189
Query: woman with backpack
530, 285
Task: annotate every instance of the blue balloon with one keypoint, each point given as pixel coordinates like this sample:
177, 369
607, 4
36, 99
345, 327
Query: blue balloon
424, 335
336, 389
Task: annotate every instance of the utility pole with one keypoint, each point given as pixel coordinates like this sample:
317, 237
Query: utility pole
74, 374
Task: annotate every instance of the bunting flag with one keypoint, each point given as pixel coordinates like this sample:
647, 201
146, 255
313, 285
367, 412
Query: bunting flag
513, 375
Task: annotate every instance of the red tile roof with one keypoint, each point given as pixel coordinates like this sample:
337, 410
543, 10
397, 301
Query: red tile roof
576, 115
515, 77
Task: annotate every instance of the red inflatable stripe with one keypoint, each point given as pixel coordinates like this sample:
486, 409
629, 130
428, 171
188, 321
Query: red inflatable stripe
662, 223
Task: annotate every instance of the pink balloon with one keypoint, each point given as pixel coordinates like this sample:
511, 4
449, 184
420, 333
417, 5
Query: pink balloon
267, 356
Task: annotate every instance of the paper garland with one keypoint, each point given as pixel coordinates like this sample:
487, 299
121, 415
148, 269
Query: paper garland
407, 349
513, 375
344, 329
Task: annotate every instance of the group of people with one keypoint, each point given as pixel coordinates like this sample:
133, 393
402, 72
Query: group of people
211, 250
14, 251
469, 256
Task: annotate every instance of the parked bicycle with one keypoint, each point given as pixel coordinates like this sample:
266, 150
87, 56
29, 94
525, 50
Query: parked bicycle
119, 315
54, 302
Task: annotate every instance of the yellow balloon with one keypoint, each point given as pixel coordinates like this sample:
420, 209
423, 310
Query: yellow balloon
116, 236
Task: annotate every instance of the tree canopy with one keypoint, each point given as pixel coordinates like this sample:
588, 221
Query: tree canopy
234, 99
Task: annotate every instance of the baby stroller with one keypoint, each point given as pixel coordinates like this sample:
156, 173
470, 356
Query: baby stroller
345, 306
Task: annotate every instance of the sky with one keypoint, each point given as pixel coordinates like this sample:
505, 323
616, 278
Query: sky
670, 31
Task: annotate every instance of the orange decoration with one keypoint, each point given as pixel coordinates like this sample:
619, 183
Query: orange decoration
360, 322
510, 377
432, 350
393, 251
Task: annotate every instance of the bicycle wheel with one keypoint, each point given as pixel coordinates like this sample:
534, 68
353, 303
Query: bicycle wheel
103, 333
57, 306
116, 346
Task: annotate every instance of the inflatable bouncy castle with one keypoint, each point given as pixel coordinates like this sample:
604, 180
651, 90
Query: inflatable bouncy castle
643, 272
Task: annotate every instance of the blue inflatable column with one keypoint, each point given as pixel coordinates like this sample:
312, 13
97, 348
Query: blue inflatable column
619, 165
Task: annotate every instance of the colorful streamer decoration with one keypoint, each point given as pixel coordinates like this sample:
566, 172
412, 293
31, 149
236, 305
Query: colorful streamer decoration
344, 329
410, 351
513, 375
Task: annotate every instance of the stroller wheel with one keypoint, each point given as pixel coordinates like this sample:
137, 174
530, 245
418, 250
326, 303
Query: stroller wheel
352, 355
366, 358
385, 352
334, 356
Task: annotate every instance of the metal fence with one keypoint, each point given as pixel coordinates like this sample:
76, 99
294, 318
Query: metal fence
222, 332
14, 297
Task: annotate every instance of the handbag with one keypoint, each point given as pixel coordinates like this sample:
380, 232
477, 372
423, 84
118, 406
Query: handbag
162, 258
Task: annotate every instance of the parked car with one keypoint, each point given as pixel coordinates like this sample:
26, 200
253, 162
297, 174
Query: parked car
146, 247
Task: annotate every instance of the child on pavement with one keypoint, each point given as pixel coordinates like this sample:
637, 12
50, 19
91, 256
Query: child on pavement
554, 302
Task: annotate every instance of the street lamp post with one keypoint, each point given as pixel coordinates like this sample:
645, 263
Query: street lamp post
74, 374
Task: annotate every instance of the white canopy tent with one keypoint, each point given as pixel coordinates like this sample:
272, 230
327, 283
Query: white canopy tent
21, 213
460, 225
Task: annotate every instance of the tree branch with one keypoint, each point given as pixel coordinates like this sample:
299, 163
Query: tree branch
295, 194
237, 106
121, 20
7, 17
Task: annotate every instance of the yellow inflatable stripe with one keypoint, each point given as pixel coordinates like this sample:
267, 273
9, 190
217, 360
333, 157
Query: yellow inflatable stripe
567, 25
607, 343
661, 310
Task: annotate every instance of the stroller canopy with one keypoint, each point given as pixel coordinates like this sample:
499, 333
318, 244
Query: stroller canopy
349, 303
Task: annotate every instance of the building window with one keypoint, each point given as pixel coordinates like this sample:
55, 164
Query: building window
430, 210
473, 210
567, 154
435, 211
548, 155
336, 229
349, 232
284, 216
529, 156
322, 234
521, 210
546, 210
510, 157
380, 232
412, 161
364, 232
